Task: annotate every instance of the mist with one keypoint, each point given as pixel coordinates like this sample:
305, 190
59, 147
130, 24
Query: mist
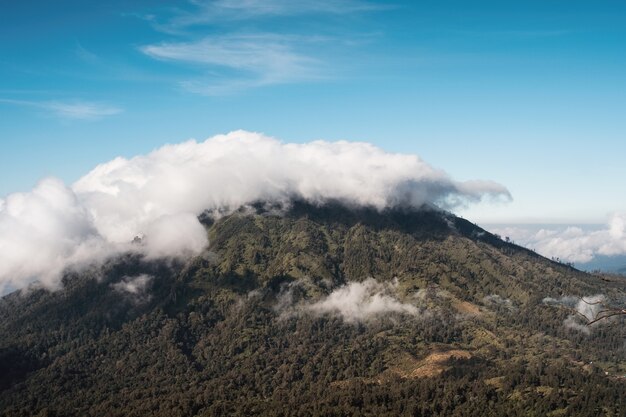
362, 301
353, 302
135, 288
584, 310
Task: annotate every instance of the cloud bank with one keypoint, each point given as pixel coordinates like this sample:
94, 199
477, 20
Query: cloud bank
573, 244
157, 197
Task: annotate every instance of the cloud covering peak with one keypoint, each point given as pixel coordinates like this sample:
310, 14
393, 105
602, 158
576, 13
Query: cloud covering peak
158, 196
228, 171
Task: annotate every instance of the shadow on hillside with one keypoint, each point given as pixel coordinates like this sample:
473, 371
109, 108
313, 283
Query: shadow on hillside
15, 366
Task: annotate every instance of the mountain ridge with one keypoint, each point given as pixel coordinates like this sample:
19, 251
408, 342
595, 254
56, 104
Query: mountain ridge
259, 320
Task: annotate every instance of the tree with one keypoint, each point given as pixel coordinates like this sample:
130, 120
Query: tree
604, 313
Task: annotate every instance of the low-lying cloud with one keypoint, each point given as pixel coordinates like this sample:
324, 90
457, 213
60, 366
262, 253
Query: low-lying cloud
361, 301
585, 310
136, 288
354, 302
573, 244
157, 197
497, 300
133, 285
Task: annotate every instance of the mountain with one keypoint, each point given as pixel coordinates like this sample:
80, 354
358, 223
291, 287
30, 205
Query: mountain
319, 310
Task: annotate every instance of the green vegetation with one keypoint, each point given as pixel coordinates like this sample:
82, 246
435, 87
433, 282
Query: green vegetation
214, 336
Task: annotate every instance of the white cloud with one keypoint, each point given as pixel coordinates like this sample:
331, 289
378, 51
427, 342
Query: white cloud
587, 306
256, 60
133, 285
158, 196
361, 301
77, 110
178, 235
42, 233
135, 288
228, 171
573, 244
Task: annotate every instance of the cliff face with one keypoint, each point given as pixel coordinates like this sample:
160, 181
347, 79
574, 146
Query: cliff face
317, 311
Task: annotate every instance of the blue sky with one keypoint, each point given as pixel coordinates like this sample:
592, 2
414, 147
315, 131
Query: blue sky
529, 94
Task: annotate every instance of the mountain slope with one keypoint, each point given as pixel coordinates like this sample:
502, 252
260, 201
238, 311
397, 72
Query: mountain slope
320, 310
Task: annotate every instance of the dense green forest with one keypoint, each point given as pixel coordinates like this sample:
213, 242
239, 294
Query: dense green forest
455, 323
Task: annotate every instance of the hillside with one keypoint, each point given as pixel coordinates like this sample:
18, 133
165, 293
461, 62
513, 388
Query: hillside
320, 310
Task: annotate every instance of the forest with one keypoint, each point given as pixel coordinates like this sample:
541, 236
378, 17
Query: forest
319, 311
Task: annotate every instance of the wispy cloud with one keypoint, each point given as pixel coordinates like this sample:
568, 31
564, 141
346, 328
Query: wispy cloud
77, 110
86, 55
212, 12
519, 34
81, 110
230, 43
236, 62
